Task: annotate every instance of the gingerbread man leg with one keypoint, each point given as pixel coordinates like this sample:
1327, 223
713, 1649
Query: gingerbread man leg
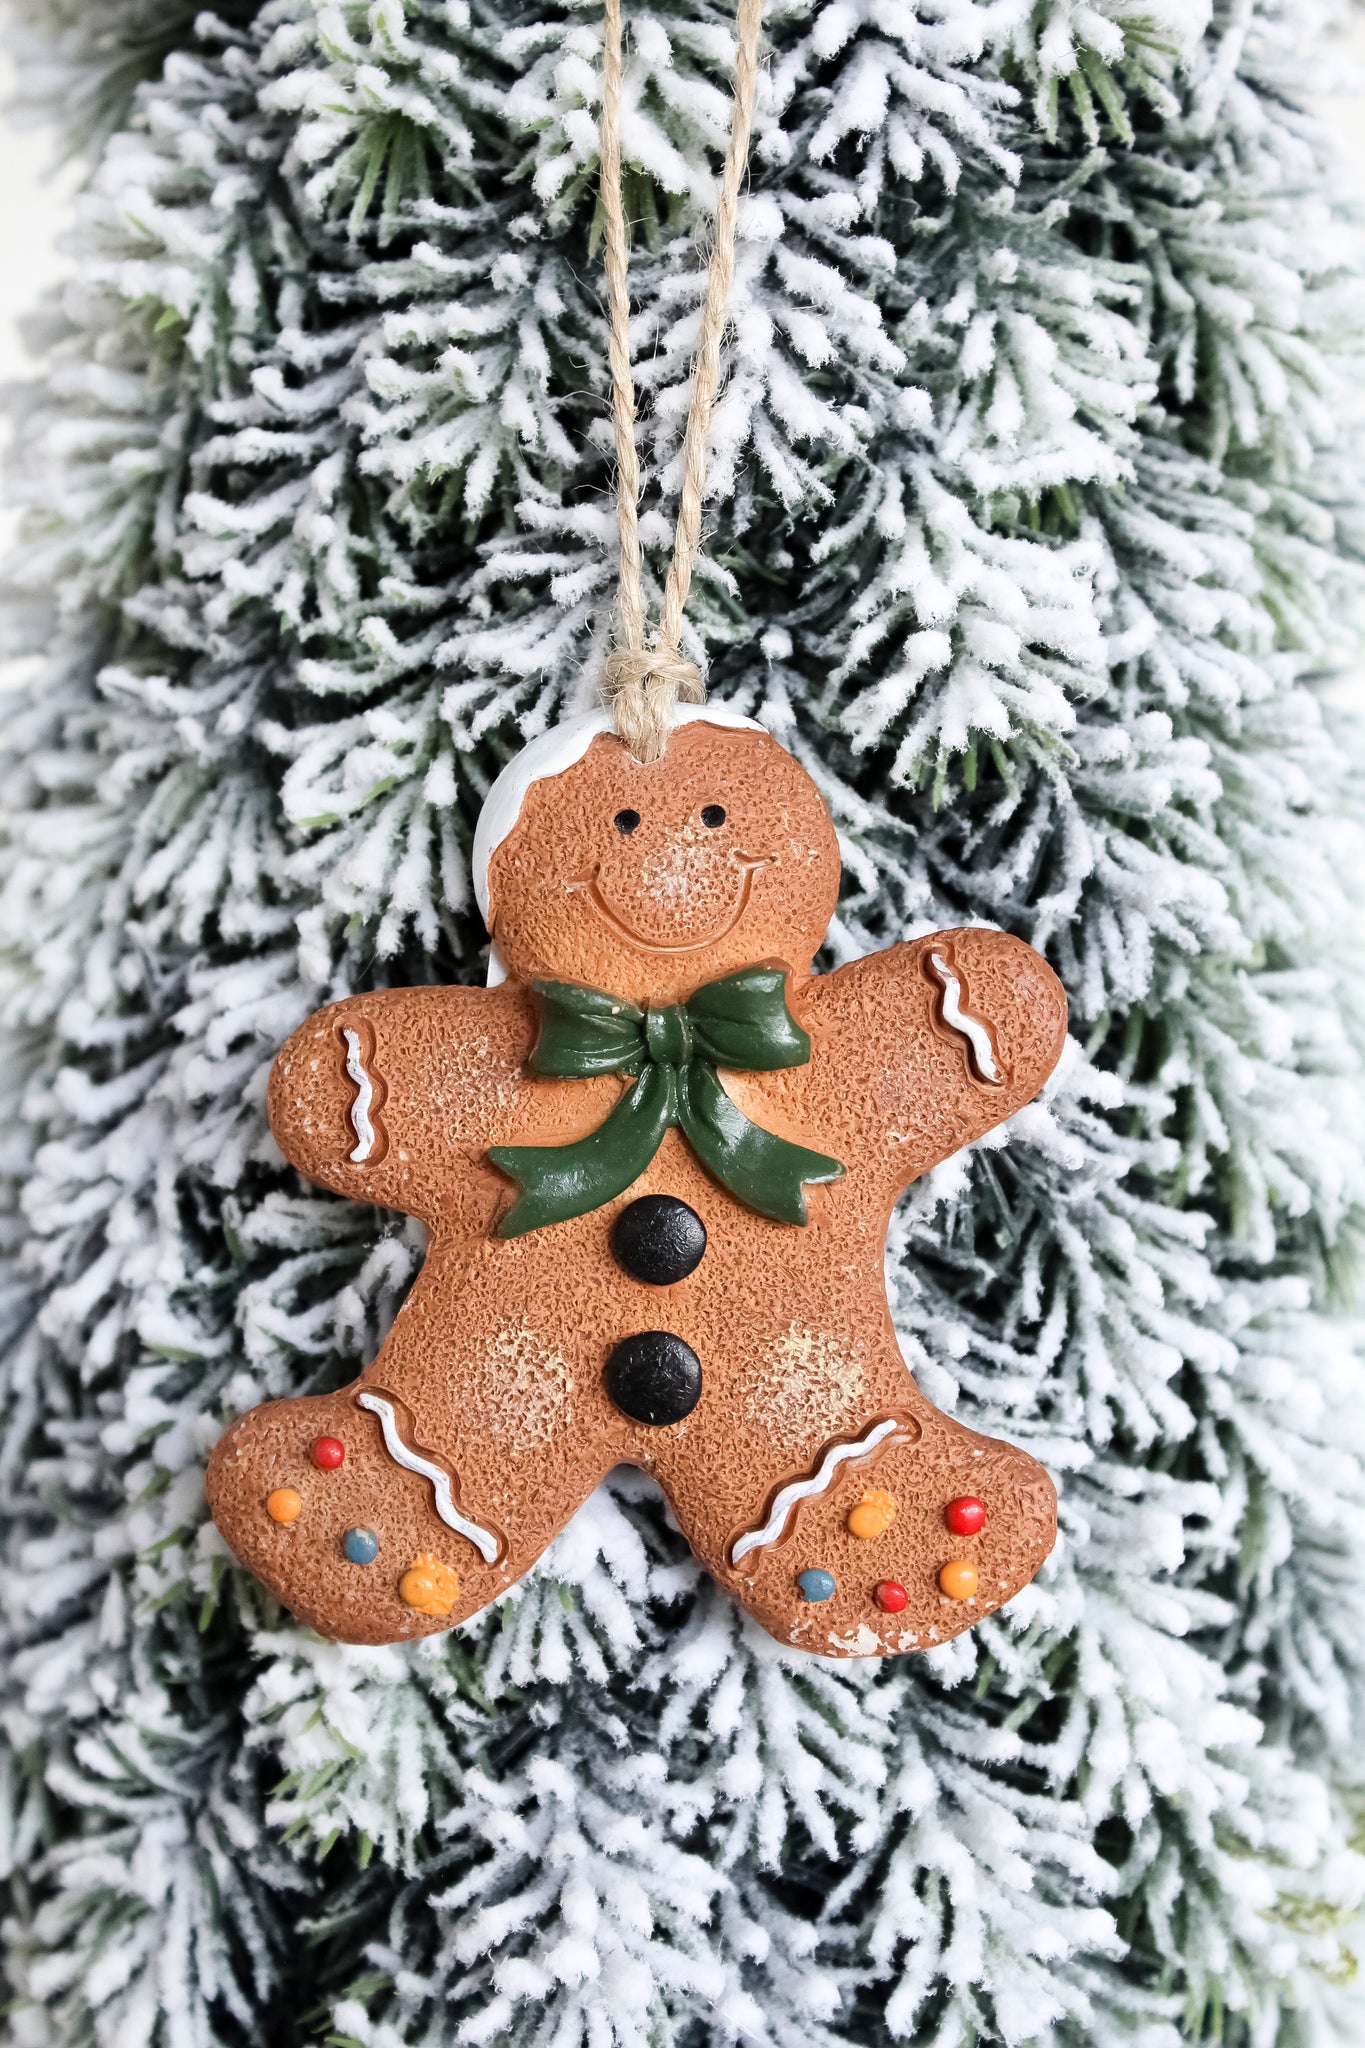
397, 1507
895, 1540
894, 1532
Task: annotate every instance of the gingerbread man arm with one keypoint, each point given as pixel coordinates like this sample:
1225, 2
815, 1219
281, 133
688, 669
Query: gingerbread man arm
926, 1046
395, 1097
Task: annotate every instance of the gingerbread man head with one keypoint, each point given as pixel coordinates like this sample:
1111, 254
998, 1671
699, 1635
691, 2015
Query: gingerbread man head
650, 880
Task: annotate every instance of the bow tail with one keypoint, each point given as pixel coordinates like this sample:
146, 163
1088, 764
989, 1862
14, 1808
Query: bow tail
557, 1182
760, 1169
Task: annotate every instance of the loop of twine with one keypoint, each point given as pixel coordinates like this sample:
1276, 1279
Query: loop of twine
642, 682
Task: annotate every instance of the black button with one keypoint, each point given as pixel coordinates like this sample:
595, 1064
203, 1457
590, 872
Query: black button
654, 1377
658, 1240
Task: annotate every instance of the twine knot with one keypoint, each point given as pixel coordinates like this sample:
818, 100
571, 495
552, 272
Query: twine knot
640, 686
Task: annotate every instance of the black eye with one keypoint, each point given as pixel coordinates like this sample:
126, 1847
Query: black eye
626, 821
713, 815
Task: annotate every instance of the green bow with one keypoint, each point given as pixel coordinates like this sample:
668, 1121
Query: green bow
740, 1021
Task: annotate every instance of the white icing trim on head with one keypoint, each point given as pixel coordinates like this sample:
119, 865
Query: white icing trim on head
364, 1098
958, 1019
550, 753
484, 1541
804, 1489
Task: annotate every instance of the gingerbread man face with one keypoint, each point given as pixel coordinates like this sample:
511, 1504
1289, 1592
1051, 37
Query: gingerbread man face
652, 880
657, 1161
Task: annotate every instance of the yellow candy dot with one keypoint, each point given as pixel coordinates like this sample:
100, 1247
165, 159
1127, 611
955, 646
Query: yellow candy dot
284, 1505
958, 1579
430, 1586
873, 1515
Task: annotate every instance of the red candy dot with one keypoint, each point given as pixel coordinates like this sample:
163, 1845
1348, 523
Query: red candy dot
966, 1517
329, 1452
891, 1597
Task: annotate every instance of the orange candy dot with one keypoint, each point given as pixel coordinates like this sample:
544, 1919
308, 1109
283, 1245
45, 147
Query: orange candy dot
958, 1579
430, 1586
872, 1516
284, 1505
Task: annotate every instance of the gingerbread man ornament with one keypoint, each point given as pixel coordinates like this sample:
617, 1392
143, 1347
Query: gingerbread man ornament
657, 1159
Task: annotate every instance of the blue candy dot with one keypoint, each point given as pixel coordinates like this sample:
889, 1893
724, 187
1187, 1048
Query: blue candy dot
816, 1585
362, 1547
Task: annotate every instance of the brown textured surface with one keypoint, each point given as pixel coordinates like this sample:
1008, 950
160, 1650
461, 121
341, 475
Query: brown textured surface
495, 1359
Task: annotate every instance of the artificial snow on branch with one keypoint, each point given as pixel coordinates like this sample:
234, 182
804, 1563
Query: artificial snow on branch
1033, 529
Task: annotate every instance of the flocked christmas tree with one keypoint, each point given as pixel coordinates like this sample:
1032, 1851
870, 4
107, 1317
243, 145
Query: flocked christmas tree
1032, 531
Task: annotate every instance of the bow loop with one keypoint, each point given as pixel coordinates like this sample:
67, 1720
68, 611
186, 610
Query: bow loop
742, 1021
583, 1032
671, 1054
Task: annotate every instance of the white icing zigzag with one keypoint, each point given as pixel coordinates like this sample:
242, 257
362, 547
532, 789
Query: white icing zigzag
364, 1098
804, 1489
484, 1541
958, 1019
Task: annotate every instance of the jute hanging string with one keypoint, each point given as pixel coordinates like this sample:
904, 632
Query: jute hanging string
646, 676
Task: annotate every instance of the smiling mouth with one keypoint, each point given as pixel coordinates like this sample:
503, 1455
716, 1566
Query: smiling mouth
588, 886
